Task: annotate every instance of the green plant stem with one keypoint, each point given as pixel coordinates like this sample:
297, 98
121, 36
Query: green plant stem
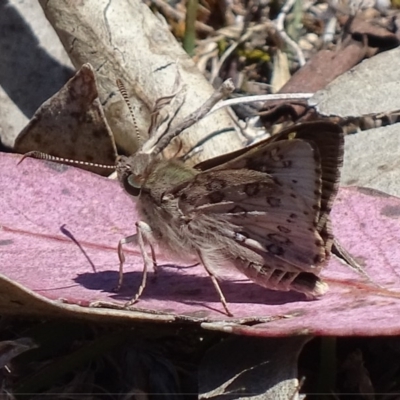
189, 40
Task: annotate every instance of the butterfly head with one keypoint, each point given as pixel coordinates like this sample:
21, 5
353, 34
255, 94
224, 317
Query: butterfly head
133, 171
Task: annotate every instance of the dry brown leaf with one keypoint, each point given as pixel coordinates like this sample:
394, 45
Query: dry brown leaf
71, 125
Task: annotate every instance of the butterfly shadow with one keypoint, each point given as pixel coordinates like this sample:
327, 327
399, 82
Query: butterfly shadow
169, 284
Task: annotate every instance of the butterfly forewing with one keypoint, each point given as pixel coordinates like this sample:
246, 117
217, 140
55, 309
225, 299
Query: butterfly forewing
292, 164
264, 208
275, 197
325, 136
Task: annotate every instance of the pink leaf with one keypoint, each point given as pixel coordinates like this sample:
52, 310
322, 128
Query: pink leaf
61, 227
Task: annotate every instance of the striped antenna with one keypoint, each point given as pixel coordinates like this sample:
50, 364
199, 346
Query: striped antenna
43, 156
124, 94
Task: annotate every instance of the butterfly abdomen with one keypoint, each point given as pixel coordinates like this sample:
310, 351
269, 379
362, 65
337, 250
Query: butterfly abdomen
278, 279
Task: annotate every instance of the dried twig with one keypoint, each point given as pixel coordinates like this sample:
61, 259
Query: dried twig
279, 23
227, 53
261, 98
330, 29
170, 12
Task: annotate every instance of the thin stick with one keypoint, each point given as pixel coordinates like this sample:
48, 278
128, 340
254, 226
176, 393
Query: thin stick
261, 98
279, 23
227, 53
169, 11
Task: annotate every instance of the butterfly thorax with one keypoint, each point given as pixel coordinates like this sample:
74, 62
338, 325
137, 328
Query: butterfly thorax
164, 176
156, 206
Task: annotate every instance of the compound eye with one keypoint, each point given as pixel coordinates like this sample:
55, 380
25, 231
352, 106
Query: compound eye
131, 185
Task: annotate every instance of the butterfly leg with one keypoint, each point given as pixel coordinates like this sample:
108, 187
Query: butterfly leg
121, 256
216, 285
144, 235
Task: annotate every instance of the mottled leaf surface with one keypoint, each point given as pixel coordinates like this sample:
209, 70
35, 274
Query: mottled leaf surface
61, 225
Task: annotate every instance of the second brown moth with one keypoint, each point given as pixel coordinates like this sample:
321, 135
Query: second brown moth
263, 210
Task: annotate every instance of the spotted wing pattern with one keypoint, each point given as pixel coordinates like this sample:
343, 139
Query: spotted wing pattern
274, 200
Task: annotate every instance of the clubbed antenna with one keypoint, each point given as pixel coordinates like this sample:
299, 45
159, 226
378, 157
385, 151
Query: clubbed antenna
43, 156
124, 94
